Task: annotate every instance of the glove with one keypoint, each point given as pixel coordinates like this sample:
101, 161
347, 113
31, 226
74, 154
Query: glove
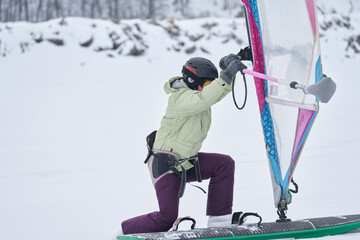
245, 54
229, 74
225, 61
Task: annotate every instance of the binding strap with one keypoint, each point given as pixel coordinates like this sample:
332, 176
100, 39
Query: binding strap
240, 217
179, 220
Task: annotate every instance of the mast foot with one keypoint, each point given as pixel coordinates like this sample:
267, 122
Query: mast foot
282, 216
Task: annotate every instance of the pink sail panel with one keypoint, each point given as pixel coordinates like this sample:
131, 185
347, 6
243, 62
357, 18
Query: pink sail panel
305, 120
311, 9
258, 56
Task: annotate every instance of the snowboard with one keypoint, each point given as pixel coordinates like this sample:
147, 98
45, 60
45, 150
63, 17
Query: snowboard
300, 229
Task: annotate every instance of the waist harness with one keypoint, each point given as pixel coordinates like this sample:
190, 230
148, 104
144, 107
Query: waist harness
161, 162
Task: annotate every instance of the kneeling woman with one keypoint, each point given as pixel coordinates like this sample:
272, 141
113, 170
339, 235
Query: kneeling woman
177, 143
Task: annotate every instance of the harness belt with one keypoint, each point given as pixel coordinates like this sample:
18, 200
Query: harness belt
161, 162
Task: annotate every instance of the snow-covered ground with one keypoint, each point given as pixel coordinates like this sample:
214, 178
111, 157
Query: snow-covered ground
73, 123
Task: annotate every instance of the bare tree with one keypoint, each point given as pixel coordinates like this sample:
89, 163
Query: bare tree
26, 9
181, 6
1, 11
41, 10
10, 11
95, 9
57, 8
152, 7
226, 5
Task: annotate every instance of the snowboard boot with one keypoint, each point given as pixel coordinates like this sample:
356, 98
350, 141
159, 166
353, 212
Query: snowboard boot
219, 221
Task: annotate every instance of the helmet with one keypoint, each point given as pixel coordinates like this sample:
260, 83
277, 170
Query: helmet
197, 70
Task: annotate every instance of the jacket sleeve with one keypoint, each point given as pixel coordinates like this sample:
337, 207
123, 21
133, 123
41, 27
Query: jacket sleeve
190, 102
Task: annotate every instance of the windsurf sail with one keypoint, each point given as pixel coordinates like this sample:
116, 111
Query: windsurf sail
285, 43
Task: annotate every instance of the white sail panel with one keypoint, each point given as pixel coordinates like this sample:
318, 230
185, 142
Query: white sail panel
288, 45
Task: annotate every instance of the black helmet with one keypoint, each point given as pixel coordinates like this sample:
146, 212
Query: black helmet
197, 70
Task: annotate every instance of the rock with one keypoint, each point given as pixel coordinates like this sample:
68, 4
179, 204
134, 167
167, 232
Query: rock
190, 50
56, 41
87, 43
136, 52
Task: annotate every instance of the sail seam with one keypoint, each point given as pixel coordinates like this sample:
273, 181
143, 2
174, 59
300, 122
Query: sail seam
314, 107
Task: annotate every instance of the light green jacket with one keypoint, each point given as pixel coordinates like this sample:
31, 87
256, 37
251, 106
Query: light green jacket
188, 117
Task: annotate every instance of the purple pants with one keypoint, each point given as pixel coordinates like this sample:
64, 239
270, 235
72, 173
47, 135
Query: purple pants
218, 168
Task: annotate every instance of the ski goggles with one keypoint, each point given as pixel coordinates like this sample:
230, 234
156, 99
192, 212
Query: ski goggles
207, 82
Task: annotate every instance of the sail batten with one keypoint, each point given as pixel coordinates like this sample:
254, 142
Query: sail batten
314, 107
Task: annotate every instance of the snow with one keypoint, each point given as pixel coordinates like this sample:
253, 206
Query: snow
73, 123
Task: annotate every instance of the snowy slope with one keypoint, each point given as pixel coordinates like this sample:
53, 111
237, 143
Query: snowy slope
73, 122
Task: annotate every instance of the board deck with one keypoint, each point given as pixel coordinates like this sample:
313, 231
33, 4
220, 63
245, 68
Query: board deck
300, 229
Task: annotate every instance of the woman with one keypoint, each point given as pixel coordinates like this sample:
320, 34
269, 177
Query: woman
175, 151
